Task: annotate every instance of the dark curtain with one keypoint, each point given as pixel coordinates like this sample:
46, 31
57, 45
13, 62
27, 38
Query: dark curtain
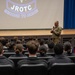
69, 14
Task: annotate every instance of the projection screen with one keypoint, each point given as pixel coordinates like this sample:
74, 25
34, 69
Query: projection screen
30, 14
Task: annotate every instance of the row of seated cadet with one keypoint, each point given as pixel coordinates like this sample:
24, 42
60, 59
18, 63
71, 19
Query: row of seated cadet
43, 53
60, 65
42, 50
33, 59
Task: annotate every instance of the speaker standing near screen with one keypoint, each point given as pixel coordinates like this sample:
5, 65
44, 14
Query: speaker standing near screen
56, 32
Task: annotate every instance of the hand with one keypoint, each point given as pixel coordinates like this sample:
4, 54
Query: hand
52, 31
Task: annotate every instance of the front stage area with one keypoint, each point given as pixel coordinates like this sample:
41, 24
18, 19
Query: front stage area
66, 35
33, 32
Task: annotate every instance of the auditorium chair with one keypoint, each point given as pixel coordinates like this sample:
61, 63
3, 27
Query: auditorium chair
62, 69
6, 70
46, 58
7, 54
72, 58
27, 53
16, 59
32, 69
50, 53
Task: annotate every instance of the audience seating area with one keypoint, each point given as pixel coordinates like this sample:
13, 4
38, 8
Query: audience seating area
7, 70
62, 69
32, 69
64, 38
39, 69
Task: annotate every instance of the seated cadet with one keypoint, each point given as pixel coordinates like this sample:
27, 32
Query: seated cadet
68, 49
51, 47
42, 51
59, 56
3, 59
42, 43
32, 47
18, 50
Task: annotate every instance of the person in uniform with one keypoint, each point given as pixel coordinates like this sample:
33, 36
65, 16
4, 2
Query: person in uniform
56, 32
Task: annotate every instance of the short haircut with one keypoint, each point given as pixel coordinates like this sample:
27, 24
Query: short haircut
43, 49
42, 41
67, 46
58, 49
32, 46
51, 45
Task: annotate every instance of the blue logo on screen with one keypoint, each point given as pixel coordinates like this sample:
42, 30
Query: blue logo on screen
21, 8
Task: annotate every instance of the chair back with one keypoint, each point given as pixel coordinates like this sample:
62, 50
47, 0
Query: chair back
62, 69
6, 70
46, 57
32, 69
16, 59
72, 58
7, 54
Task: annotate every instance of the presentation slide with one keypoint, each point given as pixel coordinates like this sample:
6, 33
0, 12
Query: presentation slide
30, 14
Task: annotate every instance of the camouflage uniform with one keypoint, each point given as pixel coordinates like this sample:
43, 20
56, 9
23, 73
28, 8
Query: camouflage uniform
56, 34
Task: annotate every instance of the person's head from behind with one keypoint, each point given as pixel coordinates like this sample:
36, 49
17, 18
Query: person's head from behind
67, 47
1, 49
42, 41
32, 47
42, 50
58, 49
3, 41
11, 46
18, 42
19, 49
51, 45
